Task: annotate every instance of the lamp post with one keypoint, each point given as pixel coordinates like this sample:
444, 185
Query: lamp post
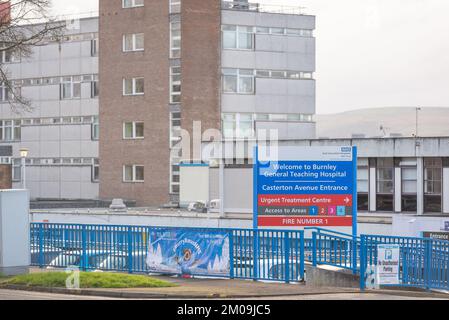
23, 155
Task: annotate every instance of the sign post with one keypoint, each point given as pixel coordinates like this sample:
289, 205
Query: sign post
306, 187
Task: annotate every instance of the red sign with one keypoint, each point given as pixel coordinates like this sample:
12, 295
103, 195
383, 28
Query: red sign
305, 200
305, 221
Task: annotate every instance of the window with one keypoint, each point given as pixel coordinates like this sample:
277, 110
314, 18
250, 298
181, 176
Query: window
95, 129
238, 81
132, 3
71, 87
175, 85
238, 125
238, 37
133, 173
133, 130
408, 185
94, 89
8, 56
96, 171
362, 184
10, 130
385, 184
175, 40
433, 170
17, 170
133, 42
175, 6
94, 43
133, 86
4, 92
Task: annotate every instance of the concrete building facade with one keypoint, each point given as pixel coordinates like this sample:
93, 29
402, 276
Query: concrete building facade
60, 129
169, 66
394, 176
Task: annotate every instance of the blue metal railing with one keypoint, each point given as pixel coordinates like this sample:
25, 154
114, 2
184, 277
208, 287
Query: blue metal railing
423, 262
270, 255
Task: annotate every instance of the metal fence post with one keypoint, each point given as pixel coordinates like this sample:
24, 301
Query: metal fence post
302, 255
84, 261
362, 262
231, 255
354, 254
287, 256
314, 249
130, 250
256, 248
41, 246
428, 263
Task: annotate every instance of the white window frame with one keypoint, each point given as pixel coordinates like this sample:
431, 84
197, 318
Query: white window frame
134, 180
175, 6
173, 83
237, 32
5, 92
134, 81
239, 75
72, 82
132, 4
175, 49
134, 130
134, 42
12, 126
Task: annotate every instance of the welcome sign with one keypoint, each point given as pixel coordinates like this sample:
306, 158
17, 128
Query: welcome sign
305, 186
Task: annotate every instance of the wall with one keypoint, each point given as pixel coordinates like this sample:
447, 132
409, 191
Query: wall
14, 232
151, 108
5, 176
201, 75
194, 184
57, 140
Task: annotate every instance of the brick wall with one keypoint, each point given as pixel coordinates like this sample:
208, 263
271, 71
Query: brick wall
5, 176
152, 108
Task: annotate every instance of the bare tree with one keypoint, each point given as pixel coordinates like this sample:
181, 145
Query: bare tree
24, 24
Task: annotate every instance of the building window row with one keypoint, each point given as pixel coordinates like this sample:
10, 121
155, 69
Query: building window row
385, 175
49, 162
133, 42
132, 3
133, 173
243, 37
71, 38
242, 81
11, 130
45, 81
243, 125
133, 86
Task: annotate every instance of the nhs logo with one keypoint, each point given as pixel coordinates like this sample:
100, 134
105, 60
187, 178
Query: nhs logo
346, 149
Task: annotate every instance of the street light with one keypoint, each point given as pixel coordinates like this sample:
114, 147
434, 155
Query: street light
23, 155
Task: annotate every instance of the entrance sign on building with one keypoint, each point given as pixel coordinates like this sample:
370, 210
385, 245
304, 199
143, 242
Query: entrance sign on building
388, 264
179, 251
305, 186
436, 235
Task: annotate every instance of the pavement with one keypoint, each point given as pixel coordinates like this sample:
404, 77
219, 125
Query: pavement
225, 289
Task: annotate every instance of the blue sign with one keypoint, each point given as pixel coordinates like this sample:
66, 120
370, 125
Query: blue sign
189, 252
305, 186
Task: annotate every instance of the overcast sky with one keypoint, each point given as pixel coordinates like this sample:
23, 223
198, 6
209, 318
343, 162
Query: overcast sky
370, 53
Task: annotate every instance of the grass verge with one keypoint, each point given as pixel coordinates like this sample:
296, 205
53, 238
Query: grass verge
88, 280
